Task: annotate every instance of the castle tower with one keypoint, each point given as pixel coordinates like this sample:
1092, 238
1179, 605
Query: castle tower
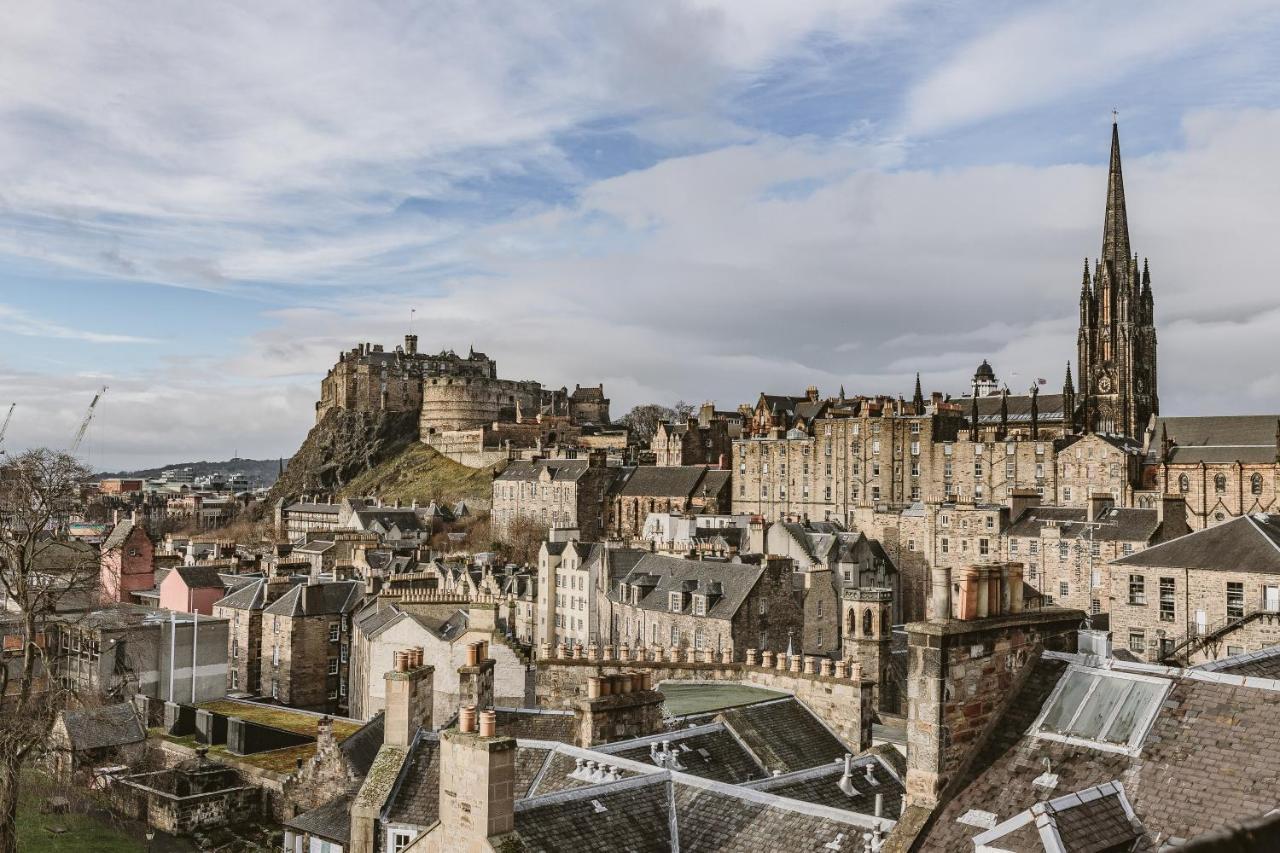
1116, 346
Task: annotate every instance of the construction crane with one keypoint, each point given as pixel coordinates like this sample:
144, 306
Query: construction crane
84, 425
4, 427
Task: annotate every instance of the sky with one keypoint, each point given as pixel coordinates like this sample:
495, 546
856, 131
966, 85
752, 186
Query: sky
202, 204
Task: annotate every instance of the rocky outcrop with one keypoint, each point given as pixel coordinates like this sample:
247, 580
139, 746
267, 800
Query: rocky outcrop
341, 447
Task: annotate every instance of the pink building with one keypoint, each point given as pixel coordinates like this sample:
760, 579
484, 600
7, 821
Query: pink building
191, 589
127, 562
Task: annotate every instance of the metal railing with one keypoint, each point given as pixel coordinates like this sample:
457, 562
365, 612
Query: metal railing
1198, 637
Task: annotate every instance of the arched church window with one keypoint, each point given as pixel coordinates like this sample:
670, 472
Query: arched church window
866, 623
1220, 483
1184, 484
1255, 484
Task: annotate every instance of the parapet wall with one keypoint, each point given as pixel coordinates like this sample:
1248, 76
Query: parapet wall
833, 690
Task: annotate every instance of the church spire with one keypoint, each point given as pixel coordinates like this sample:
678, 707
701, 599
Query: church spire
1115, 231
917, 399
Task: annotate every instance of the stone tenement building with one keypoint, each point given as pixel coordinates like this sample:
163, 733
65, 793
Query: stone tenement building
306, 645
1200, 597
556, 493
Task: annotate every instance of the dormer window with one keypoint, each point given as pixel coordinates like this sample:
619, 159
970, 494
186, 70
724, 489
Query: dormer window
699, 605
675, 602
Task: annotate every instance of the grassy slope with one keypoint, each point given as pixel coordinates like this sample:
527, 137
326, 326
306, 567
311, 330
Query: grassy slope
83, 832
420, 473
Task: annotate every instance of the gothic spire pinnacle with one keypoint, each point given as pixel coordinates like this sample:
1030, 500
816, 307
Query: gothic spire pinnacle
917, 399
1115, 230
1069, 386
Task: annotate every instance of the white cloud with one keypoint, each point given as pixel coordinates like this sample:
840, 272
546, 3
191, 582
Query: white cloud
18, 322
1051, 52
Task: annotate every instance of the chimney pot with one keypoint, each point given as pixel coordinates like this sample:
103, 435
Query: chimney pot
489, 724
467, 719
473, 654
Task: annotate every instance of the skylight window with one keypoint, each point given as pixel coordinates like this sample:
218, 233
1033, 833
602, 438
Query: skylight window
1099, 709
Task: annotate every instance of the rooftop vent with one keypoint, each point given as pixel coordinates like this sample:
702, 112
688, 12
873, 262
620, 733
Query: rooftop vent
598, 806
846, 779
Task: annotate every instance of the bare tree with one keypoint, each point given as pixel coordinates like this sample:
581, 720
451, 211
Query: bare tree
522, 539
642, 421
40, 566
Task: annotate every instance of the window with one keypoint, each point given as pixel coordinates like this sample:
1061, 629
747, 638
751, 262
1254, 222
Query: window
235, 679
275, 689
946, 450
1220, 483
698, 638
875, 469
977, 467
333, 632
1033, 547
1063, 589
1137, 590
1064, 550
1009, 470
333, 666
875, 446
1013, 546
1127, 548
275, 655
1137, 642
235, 651
915, 448
1103, 710
911, 546
1095, 606
1255, 484
984, 547
1066, 493
991, 522
345, 652
1184, 485
875, 493
699, 605
761, 606
675, 636
977, 449
1235, 600
1166, 599
399, 839
915, 468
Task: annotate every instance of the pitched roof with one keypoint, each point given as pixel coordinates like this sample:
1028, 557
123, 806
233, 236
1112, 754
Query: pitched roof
98, 728
659, 575
118, 535
1119, 524
1094, 820
784, 735
248, 597
199, 577
821, 786
710, 751
1264, 663
1207, 759
1049, 409
667, 481
1248, 543
562, 470
325, 598
332, 821
1223, 438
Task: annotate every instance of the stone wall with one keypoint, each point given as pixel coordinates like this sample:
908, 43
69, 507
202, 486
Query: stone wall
840, 699
960, 677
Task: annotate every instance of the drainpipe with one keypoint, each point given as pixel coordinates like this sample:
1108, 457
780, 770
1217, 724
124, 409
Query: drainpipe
195, 623
173, 648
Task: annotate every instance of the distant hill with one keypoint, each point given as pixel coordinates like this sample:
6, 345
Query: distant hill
261, 472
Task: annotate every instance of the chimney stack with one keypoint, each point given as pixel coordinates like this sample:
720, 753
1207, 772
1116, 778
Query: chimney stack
1171, 512
477, 784
1021, 500
1099, 503
409, 698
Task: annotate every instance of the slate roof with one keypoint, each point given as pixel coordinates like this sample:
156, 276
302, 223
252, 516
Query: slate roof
118, 534
667, 480
1207, 760
1094, 820
299, 506
199, 577
1119, 524
335, 597
1248, 543
671, 574
362, 745
1223, 438
784, 735
247, 597
821, 786
417, 799
636, 817
332, 821
98, 728
1264, 663
710, 752
1048, 408
562, 470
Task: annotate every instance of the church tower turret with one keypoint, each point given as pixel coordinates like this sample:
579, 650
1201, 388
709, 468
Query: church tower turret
1116, 346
